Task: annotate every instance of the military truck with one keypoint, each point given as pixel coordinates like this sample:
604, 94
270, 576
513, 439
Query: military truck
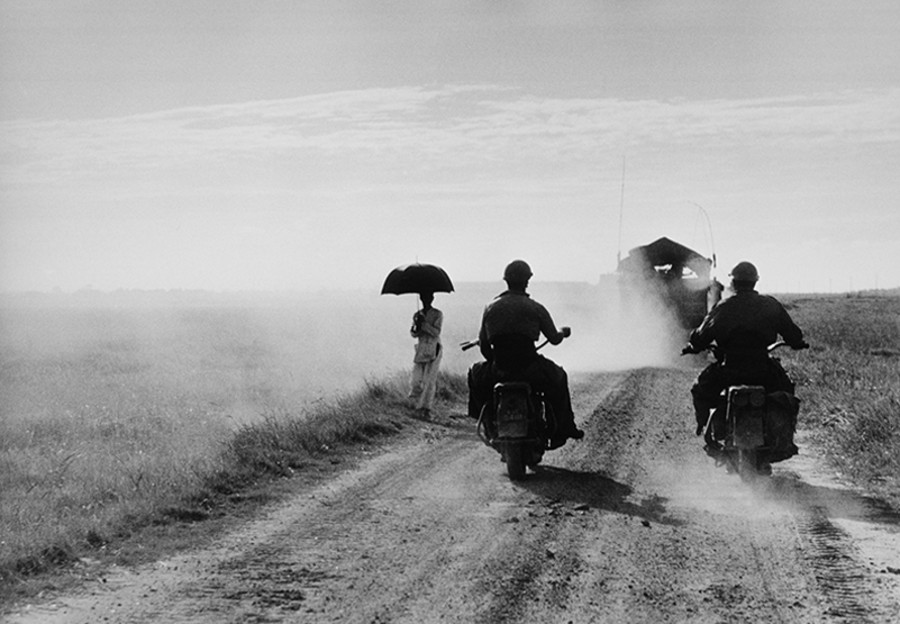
678, 278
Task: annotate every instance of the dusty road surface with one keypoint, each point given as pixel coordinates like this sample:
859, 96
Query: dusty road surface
632, 524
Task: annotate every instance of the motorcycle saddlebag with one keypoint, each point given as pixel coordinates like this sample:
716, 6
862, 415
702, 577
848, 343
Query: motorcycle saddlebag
781, 422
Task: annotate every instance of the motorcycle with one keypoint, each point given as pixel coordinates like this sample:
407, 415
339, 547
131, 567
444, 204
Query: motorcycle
752, 428
518, 421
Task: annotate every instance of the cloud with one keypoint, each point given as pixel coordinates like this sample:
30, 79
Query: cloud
455, 127
377, 173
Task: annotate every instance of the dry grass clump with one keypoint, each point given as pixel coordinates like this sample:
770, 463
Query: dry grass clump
849, 382
282, 442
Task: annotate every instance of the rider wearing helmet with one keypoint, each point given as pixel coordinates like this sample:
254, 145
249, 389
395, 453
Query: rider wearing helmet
742, 327
510, 326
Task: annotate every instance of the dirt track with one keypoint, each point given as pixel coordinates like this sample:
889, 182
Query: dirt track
633, 524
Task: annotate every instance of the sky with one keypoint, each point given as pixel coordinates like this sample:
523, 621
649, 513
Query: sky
284, 145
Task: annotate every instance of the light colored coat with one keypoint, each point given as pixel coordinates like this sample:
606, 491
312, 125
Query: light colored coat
427, 358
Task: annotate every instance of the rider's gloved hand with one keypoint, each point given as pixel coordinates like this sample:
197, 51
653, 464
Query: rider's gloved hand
566, 331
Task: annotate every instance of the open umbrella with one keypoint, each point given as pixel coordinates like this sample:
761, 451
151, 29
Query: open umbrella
417, 278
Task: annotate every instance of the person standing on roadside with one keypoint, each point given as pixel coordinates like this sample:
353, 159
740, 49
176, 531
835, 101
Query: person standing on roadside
426, 327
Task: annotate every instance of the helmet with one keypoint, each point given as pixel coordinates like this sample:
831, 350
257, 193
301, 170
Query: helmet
744, 272
517, 272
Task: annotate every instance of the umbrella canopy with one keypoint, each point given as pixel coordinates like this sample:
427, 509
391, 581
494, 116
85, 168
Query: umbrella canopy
417, 278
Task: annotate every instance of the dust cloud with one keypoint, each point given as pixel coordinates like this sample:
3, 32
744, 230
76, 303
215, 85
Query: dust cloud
613, 331
609, 330
248, 354
238, 356
703, 485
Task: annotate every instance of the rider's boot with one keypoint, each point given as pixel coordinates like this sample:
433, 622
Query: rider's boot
565, 434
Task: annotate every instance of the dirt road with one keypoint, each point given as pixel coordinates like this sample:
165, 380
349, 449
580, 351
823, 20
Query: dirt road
632, 524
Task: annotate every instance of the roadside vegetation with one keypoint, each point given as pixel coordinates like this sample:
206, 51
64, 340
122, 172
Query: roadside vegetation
849, 382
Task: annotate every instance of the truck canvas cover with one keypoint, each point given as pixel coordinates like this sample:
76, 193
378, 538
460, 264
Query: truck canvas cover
676, 274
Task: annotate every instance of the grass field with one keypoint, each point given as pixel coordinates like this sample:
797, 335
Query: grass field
849, 382
114, 417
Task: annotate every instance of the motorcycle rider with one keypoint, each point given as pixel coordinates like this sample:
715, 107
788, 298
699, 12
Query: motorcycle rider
510, 325
742, 326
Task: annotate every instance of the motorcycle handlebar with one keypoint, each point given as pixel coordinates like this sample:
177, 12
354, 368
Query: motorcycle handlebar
782, 343
468, 344
690, 349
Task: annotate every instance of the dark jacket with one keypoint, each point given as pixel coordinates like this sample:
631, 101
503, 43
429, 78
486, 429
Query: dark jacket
510, 326
743, 325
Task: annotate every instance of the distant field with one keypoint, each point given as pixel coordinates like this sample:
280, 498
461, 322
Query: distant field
112, 408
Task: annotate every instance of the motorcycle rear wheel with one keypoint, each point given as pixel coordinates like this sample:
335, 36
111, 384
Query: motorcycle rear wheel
515, 462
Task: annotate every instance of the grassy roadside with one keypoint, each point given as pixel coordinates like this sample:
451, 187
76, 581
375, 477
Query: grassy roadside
849, 382
244, 474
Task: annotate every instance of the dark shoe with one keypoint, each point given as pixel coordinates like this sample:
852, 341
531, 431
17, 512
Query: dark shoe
699, 429
782, 454
571, 432
560, 439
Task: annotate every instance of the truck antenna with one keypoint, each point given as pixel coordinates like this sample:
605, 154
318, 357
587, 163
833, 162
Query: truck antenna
621, 211
712, 242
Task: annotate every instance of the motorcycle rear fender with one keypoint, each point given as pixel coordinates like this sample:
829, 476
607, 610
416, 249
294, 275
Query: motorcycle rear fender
512, 406
746, 415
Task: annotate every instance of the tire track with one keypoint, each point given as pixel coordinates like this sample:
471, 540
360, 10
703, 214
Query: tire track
845, 584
